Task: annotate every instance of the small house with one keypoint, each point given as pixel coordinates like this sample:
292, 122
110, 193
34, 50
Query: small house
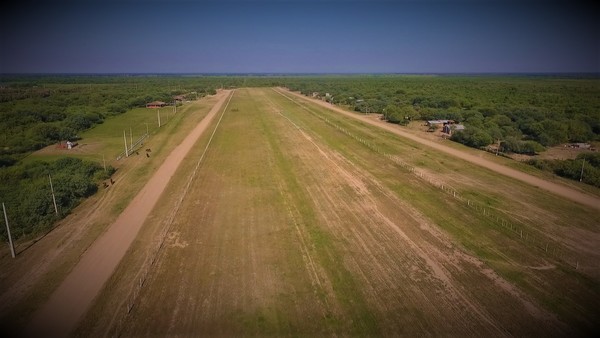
155, 104
437, 122
581, 145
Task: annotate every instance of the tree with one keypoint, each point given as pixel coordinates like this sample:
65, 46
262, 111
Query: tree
473, 137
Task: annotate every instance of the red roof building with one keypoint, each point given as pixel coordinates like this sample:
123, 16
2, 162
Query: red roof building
155, 104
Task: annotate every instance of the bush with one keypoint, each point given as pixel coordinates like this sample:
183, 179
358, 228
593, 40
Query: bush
571, 169
472, 137
26, 191
515, 145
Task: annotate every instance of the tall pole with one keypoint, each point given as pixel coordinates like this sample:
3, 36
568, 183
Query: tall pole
130, 137
104, 162
159, 118
581, 176
498, 148
12, 247
125, 139
53, 197
146, 128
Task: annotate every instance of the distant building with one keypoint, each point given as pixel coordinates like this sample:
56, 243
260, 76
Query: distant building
155, 104
446, 129
580, 145
442, 122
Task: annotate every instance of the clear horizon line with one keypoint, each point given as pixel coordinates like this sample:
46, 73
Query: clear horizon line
301, 73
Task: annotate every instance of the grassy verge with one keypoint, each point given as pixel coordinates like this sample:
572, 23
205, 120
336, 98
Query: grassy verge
566, 292
131, 175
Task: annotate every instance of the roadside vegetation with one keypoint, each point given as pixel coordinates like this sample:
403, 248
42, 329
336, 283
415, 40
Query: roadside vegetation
585, 168
520, 114
526, 113
26, 188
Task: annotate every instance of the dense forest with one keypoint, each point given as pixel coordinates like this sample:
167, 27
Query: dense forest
524, 114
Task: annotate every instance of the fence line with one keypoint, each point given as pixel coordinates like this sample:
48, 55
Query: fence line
497, 216
139, 282
133, 147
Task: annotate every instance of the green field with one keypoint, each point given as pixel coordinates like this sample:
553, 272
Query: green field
298, 223
304, 221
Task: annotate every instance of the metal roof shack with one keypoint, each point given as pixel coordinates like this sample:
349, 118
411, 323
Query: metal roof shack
434, 122
155, 104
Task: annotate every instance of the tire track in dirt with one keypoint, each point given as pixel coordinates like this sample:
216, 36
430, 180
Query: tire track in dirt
319, 279
372, 210
561, 190
73, 297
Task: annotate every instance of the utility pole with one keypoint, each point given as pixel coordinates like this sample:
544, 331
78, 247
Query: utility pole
159, 117
581, 176
53, 197
498, 148
146, 129
12, 247
125, 139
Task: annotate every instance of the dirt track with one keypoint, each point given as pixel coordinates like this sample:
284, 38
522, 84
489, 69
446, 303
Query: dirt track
283, 234
557, 189
73, 297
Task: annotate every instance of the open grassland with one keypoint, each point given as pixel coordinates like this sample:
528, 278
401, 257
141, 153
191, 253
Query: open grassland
42, 263
296, 223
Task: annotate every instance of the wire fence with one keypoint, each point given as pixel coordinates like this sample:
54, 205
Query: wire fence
133, 147
519, 230
117, 326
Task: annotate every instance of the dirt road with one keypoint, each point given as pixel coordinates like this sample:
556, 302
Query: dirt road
574, 195
73, 297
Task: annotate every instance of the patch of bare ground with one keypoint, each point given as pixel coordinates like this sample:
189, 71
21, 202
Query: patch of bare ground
559, 152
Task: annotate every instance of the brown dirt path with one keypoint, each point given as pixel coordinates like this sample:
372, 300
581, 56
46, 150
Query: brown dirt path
574, 195
74, 296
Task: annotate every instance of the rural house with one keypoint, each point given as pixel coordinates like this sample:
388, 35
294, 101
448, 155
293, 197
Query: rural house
155, 104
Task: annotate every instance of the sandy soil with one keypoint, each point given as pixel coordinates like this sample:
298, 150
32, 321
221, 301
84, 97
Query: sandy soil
74, 296
574, 195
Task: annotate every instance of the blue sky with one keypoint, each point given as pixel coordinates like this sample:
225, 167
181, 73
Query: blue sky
337, 36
